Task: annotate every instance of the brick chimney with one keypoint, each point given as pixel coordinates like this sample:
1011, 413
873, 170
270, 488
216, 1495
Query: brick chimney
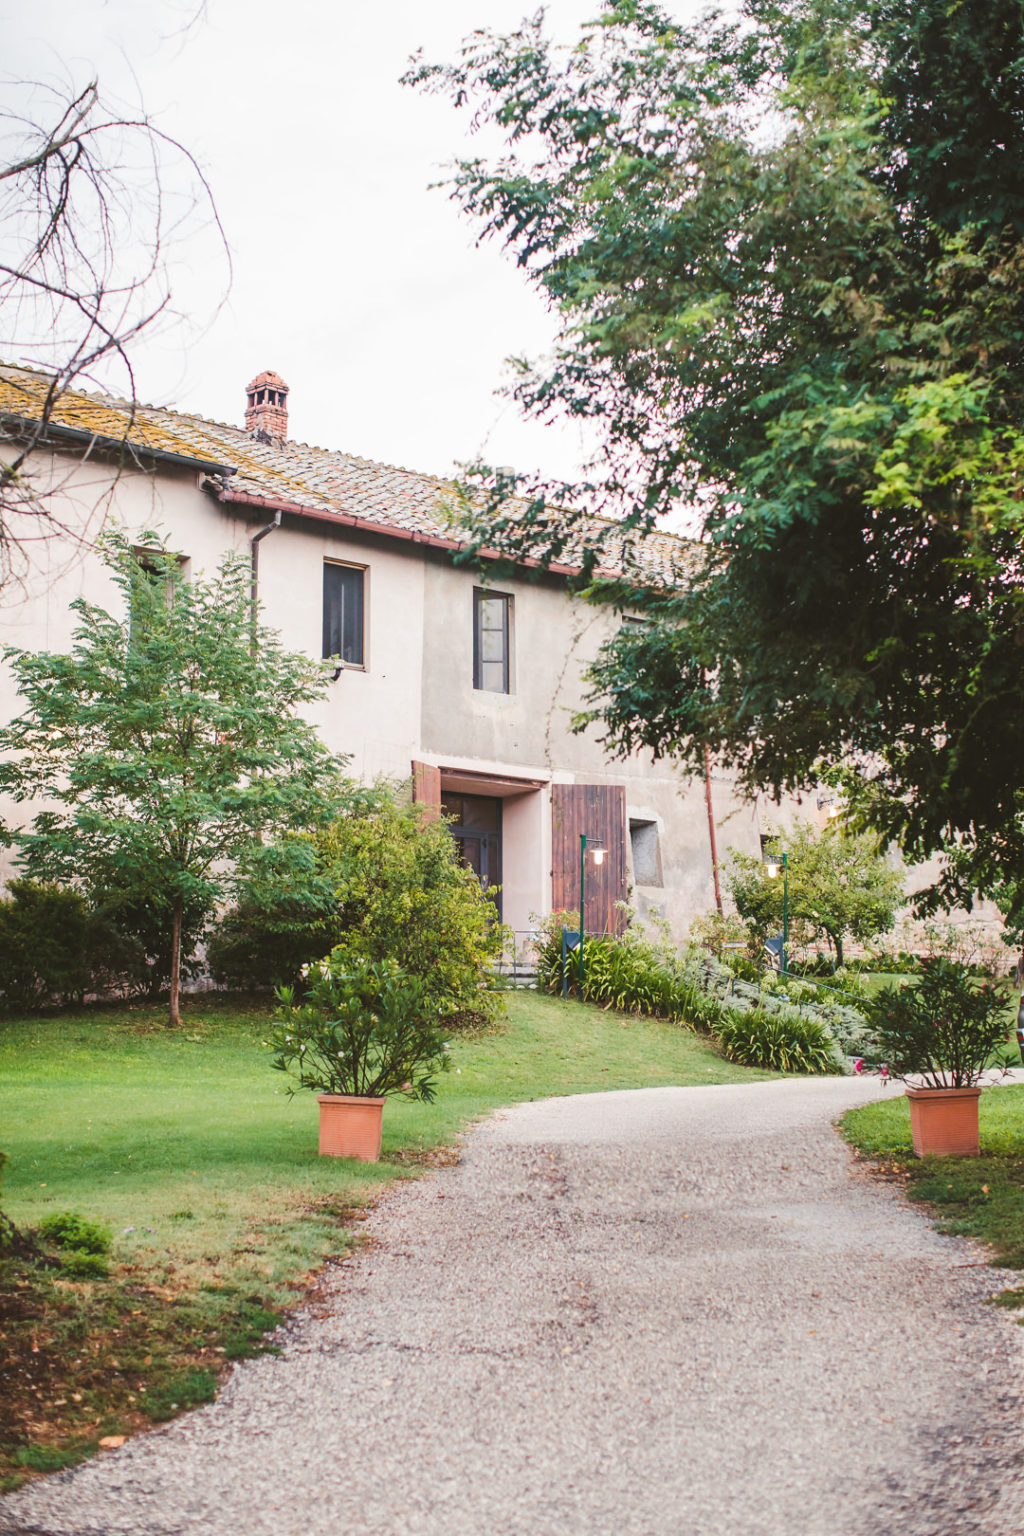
266, 414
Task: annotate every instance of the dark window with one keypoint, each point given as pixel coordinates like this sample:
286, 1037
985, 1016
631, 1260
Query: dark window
343, 612
491, 612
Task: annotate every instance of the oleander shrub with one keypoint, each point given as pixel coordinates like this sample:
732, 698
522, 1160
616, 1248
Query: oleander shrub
946, 1029
778, 1042
364, 1027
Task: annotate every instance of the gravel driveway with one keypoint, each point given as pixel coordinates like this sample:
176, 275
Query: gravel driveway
675, 1312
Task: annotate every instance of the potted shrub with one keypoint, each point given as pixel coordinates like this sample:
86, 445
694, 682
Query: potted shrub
943, 1031
363, 1029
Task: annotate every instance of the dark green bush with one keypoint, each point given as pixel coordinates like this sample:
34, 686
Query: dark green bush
57, 949
252, 948
82, 1265
67, 1229
364, 1027
778, 1042
54, 949
84, 1244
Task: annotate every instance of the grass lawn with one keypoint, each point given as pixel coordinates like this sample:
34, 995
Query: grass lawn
980, 1197
186, 1146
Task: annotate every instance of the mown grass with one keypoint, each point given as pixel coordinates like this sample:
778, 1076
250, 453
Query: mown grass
979, 1197
188, 1148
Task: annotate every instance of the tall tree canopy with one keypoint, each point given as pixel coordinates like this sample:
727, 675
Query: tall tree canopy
787, 250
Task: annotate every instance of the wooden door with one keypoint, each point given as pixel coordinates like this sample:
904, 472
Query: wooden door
599, 810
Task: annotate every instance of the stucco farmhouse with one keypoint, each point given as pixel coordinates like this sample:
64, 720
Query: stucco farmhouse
462, 686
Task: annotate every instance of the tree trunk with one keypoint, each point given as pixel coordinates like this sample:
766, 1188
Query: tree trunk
837, 940
174, 1020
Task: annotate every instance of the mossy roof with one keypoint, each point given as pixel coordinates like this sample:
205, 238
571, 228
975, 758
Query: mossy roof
322, 482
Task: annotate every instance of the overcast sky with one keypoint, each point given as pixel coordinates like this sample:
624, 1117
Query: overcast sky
352, 279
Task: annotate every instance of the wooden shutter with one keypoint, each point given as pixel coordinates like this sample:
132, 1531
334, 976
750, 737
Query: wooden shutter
599, 810
426, 788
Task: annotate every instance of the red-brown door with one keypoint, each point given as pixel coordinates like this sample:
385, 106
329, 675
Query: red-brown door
599, 810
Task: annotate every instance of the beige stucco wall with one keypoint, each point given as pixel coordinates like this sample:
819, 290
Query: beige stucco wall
415, 698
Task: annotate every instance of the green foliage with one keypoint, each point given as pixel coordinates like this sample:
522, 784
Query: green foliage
944, 1029
786, 250
188, 1389
68, 1229
169, 743
82, 1265
720, 934
84, 1244
45, 1458
632, 974
385, 882
56, 949
365, 1027
980, 1197
839, 884
779, 1042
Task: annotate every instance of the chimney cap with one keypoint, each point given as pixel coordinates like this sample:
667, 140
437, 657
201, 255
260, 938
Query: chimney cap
267, 377
266, 415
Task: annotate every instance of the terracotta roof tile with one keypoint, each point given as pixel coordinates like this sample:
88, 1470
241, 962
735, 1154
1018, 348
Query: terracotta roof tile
318, 480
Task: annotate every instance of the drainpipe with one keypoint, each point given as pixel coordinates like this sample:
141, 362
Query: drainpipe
254, 554
711, 829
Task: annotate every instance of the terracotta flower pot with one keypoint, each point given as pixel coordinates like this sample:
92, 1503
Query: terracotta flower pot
350, 1126
944, 1121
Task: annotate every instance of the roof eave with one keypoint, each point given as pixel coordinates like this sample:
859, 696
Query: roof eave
55, 431
369, 525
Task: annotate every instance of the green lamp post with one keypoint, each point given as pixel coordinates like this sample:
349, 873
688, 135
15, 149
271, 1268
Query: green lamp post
597, 851
773, 870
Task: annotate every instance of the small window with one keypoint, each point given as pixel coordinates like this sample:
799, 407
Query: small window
643, 840
491, 615
344, 606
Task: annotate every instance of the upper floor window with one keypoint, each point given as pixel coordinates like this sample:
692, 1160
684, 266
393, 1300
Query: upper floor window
492, 612
344, 611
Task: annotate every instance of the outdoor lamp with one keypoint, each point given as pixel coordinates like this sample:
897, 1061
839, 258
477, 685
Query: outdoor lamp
597, 852
772, 866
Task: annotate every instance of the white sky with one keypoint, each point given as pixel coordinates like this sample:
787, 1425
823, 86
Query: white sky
359, 285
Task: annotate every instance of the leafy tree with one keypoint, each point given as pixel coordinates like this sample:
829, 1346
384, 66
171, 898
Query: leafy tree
166, 744
839, 884
788, 256
384, 884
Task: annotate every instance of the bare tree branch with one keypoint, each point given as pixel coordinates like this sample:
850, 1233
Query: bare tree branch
93, 199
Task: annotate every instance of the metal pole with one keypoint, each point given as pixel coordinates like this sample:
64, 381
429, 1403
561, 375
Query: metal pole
785, 908
254, 580
583, 865
711, 830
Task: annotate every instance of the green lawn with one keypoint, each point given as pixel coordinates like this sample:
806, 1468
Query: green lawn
188, 1148
980, 1197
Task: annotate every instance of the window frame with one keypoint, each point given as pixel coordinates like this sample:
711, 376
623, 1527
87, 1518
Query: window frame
349, 565
482, 595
